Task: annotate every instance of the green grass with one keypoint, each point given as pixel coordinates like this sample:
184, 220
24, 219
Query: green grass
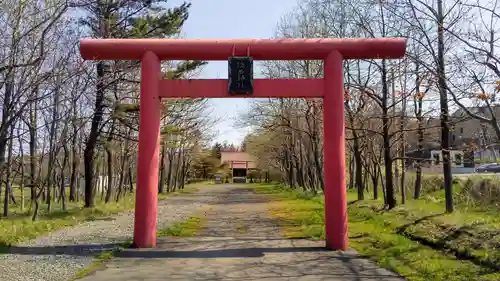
241, 228
100, 260
19, 227
391, 238
188, 228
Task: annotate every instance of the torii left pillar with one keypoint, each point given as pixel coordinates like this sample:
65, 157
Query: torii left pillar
146, 199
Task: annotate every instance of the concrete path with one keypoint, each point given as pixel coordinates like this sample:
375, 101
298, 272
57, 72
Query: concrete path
240, 242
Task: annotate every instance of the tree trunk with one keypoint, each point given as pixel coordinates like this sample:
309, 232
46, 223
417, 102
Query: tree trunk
161, 183
52, 150
32, 126
75, 171
389, 185
8, 186
418, 101
63, 177
109, 154
443, 98
169, 174
93, 137
123, 173
359, 166
130, 178
21, 155
5, 123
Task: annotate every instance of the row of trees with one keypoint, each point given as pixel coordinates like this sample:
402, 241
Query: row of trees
452, 61
66, 121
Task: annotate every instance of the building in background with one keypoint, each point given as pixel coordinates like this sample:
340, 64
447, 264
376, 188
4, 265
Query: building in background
466, 134
239, 164
470, 131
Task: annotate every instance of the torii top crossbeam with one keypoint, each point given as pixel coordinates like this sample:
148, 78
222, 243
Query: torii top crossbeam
261, 49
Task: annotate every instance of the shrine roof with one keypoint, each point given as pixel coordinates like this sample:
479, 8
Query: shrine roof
236, 156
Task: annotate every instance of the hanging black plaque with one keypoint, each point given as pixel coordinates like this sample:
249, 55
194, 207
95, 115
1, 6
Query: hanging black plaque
240, 78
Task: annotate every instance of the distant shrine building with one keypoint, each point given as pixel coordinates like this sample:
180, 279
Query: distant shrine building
239, 164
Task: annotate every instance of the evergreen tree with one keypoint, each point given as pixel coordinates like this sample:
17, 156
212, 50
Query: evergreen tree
216, 149
124, 19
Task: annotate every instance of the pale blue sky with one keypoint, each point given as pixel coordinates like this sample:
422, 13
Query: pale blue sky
226, 19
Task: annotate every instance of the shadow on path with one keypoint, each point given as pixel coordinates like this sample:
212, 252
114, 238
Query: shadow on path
70, 250
222, 253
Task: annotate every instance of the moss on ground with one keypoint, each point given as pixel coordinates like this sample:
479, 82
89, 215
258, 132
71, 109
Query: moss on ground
188, 228
99, 261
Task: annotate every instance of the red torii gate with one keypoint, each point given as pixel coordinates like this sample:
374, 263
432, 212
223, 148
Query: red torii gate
331, 88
